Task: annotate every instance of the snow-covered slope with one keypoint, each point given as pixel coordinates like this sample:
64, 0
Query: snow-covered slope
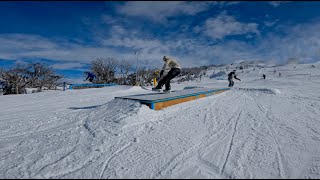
260, 129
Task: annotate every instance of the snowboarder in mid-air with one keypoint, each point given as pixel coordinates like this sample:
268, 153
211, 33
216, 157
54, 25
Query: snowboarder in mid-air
90, 76
232, 75
170, 70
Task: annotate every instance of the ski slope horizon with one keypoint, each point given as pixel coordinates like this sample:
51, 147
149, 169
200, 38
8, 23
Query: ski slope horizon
261, 128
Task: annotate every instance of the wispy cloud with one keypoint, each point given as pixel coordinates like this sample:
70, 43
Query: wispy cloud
159, 11
300, 41
20, 42
271, 23
225, 25
20, 46
64, 66
277, 3
28, 46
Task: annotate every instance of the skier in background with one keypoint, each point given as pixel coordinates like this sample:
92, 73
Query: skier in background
170, 70
264, 76
232, 75
90, 76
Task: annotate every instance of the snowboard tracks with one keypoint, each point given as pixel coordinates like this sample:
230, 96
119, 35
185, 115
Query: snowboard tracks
281, 163
231, 143
113, 155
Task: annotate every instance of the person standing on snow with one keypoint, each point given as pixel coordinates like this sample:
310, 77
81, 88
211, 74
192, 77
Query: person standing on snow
232, 75
264, 76
170, 70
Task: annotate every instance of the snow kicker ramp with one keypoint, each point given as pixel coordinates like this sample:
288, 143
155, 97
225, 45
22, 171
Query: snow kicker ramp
158, 101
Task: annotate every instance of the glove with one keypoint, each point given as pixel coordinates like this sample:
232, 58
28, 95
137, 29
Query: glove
161, 73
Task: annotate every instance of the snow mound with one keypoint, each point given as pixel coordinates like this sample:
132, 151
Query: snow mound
108, 118
261, 90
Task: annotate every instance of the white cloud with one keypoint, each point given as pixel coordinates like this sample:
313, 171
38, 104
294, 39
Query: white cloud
277, 3
302, 41
21, 46
224, 25
159, 11
63, 66
117, 30
23, 42
109, 19
18, 46
190, 52
271, 23
224, 4
196, 29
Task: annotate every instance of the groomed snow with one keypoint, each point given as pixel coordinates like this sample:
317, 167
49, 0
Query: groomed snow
259, 129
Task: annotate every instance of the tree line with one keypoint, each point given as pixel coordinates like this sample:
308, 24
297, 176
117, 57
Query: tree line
106, 69
111, 70
41, 76
31, 75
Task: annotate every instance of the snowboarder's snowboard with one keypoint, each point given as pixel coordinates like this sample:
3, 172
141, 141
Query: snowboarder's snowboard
157, 90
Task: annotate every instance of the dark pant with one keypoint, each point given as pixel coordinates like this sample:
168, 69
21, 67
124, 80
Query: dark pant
166, 80
231, 83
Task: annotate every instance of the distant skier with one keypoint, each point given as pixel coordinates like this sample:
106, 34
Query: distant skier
264, 76
170, 70
90, 76
232, 75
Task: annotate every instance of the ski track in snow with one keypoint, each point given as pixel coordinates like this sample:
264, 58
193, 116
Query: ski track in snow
272, 131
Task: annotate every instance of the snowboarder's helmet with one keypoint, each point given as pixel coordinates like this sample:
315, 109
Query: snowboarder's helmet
165, 58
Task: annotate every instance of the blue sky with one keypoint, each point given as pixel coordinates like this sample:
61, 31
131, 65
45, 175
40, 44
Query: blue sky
69, 35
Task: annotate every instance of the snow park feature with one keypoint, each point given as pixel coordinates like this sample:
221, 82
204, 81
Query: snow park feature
158, 101
84, 86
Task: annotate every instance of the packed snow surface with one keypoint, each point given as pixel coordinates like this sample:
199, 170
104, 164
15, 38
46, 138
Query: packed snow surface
261, 128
